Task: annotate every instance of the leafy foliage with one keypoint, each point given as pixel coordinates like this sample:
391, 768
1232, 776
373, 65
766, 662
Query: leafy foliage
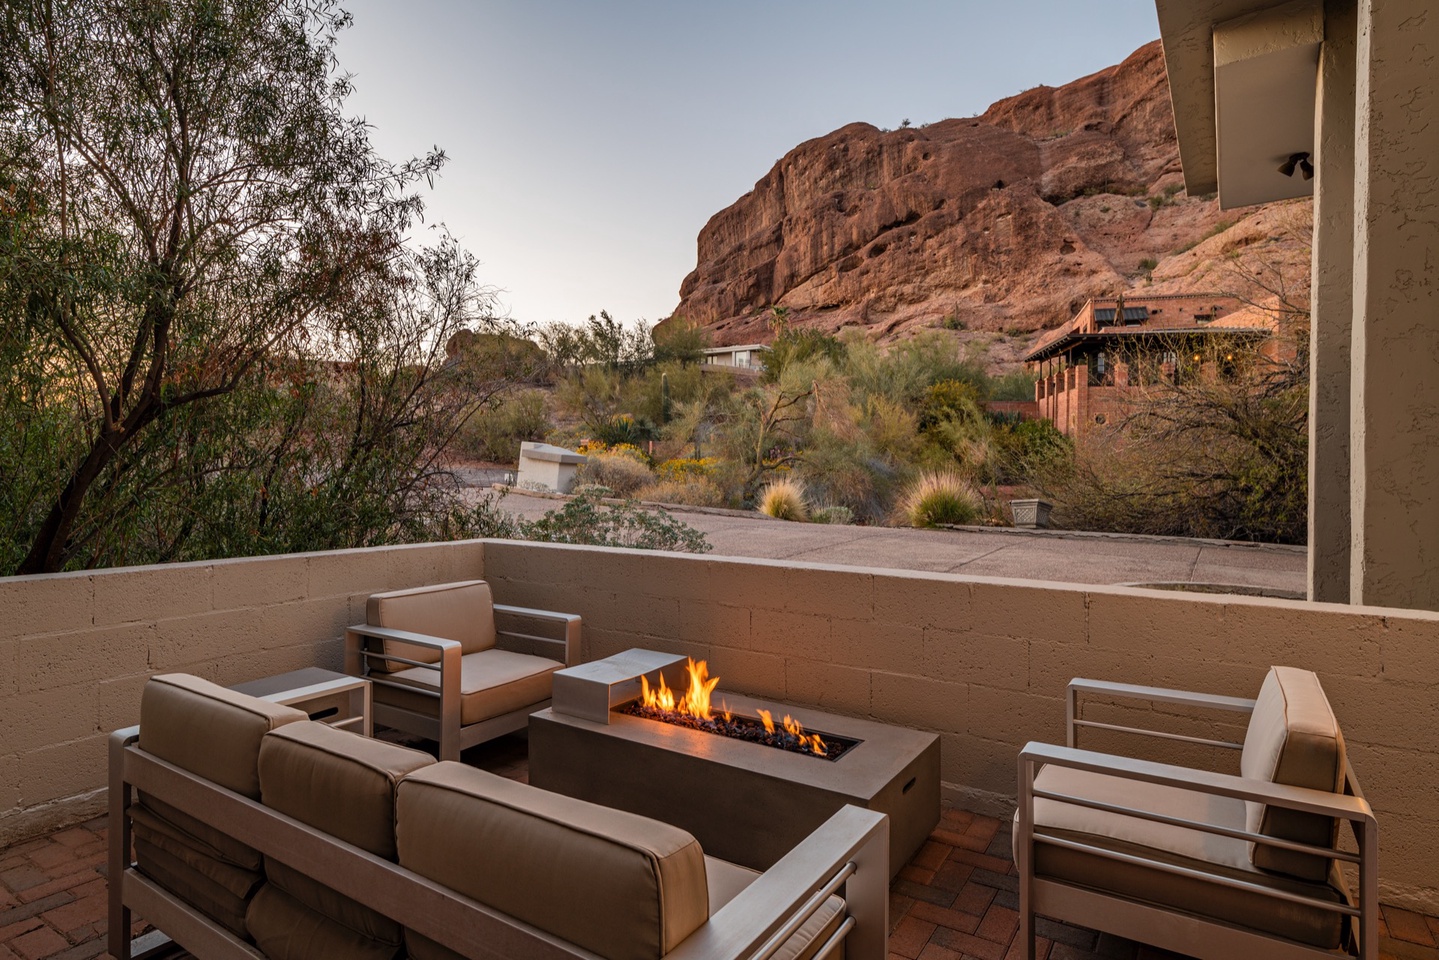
584, 520
213, 337
495, 434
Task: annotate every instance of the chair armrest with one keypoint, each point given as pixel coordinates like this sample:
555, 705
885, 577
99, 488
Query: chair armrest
355, 634
850, 850
1303, 799
1130, 691
1133, 691
570, 621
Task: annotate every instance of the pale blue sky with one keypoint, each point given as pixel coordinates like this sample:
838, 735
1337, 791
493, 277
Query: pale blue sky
590, 140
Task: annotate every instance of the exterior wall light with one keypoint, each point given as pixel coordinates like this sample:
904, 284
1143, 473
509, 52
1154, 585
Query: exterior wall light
1301, 161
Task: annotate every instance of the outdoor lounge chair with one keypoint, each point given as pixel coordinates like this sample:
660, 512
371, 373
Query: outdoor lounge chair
1205, 864
441, 669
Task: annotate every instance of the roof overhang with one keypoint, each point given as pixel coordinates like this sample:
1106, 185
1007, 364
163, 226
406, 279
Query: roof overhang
1243, 78
1100, 337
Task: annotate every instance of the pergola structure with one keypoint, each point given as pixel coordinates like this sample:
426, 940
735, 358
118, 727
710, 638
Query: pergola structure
1267, 95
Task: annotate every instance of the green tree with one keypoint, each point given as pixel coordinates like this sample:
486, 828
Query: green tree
185, 213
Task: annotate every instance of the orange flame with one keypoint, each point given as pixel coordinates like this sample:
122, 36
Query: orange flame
696, 703
696, 700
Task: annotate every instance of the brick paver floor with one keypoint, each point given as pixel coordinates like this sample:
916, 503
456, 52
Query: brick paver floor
956, 900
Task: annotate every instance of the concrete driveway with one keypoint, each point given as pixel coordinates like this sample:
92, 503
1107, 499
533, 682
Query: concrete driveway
1062, 556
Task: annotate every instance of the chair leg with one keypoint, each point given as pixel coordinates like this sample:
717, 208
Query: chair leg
449, 744
1026, 928
118, 915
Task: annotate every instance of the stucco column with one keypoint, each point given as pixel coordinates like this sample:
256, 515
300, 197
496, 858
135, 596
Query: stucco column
1394, 389
1332, 308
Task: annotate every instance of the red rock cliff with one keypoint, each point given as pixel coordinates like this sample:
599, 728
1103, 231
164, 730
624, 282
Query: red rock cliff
1003, 222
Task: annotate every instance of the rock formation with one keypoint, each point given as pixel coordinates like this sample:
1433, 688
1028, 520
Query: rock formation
995, 227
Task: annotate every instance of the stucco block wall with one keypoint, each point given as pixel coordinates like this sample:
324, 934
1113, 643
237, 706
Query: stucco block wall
984, 663
981, 662
75, 650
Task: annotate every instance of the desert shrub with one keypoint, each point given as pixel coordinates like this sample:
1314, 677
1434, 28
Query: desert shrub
784, 499
496, 434
655, 395
623, 430
621, 472
697, 492
585, 520
1029, 451
1015, 385
937, 497
949, 400
591, 447
592, 490
791, 347
848, 471
906, 370
835, 514
684, 469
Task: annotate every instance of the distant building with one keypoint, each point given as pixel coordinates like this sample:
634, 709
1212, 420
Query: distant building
740, 358
1087, 368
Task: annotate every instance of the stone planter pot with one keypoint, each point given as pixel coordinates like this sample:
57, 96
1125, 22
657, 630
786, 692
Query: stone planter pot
1031, 514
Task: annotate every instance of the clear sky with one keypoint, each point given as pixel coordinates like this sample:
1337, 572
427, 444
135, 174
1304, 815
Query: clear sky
590, 140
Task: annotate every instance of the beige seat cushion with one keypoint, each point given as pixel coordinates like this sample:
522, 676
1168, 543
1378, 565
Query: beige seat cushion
344, 785
620, 885
1293, 739
726, 880
1171, 845
492, 683
463, 611
285, 929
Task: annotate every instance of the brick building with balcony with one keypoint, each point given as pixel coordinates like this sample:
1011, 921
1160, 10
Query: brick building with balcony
1088, 369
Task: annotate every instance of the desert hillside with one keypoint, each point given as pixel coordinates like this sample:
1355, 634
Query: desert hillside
995, 227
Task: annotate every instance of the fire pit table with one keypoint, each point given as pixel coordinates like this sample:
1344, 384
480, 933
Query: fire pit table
747, 802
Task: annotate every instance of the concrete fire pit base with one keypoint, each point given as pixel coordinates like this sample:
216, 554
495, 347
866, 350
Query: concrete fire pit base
745, 802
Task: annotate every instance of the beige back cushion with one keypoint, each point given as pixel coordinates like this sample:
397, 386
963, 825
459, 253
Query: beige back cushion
1293, 739
463, 611
343, 784
210, 731
623, 886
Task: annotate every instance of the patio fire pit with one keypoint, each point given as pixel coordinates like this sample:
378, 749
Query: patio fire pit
712, 767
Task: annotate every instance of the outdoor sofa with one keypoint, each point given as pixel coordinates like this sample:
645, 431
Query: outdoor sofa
260, 833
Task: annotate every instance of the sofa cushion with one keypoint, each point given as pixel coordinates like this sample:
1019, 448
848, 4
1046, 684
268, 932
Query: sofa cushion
1175, 846
1293, 739
623, 886
214, 733
286, 929
192, 886
344, 785
238, 881
462, 611
210, 731
200, 836
492, 683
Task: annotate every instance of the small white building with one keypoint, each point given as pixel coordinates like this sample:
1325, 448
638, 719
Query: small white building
548, 466
745, 356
